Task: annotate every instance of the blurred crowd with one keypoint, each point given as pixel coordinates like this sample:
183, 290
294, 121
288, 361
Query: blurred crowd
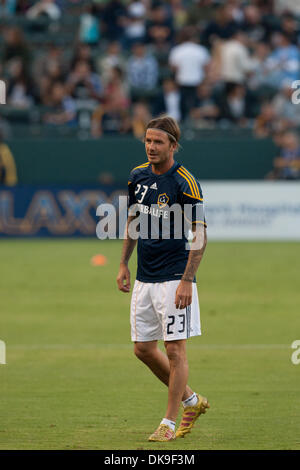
211, 64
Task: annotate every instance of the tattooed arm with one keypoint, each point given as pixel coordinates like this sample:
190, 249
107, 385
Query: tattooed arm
183, 296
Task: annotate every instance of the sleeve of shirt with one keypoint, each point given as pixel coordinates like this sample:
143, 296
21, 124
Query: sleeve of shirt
191, 198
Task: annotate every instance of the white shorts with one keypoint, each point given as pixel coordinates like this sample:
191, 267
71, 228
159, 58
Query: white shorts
154, 316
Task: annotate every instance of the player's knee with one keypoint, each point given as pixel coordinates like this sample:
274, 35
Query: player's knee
175, 353
142, 351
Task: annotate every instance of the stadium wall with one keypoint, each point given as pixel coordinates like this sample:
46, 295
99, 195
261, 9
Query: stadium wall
61, 161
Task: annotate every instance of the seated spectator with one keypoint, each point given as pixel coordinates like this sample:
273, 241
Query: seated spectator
109, 119
283, 64
112, 58
116, 89
289, 26
221, 27
48, 61
113, 16
142, 72
206, 109
234, 105
83, 84
46, 8
62, 108
135, 27
89, 28
287, 165
159, 27
258, 76
20, 91
266, 123
180, 14
190, 62
83, 52
253, 25
8, 173
15, 46
168, 101
140, 117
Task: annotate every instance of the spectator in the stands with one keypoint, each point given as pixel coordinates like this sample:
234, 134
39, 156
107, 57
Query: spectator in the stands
116, 89
142, 71
258, 77
290, 27
20, 90
206, 109
48, 61
189, 61
221, 27
140, 117
283, 64
180, 14
266, 124
46, 8
109, 119
287, 164
89, 27
83, 84
113, 16
159, 27
235, 105
83, 52
8, 172
62, 108
15, 46
253, 25
236, 62
112, 57
168, 101
135, 24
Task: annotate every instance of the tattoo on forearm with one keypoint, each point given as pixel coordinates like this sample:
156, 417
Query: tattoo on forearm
193, 262
192, 265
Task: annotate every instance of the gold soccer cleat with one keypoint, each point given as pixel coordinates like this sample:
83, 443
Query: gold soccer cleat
190, 414
162, 433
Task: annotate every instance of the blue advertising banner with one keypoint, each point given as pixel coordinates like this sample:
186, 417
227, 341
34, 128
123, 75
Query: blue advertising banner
55, 211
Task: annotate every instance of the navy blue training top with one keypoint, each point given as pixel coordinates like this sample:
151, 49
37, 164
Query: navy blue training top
162, 251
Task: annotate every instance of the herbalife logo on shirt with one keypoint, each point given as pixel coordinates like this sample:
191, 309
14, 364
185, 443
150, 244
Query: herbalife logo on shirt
155, 221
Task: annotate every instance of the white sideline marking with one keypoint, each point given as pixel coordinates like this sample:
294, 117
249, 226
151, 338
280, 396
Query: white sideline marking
130, 345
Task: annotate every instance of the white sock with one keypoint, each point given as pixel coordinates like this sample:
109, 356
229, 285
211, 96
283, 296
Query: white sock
191, 401
169, 423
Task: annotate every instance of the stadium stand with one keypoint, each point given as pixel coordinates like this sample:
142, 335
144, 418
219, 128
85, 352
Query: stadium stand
86, 69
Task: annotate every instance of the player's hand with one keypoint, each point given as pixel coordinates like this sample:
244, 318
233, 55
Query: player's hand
183, 297
123, 278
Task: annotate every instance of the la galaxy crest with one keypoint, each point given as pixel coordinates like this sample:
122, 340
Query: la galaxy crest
162, 200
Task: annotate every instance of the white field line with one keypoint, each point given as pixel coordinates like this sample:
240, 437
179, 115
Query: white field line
130, 345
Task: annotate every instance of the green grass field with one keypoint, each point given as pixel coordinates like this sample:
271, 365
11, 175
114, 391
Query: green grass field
72, 382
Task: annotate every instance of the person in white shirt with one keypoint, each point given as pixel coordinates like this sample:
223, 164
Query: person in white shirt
236, 61
189, 61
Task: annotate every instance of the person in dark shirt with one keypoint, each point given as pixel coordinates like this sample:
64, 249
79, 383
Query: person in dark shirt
164, 197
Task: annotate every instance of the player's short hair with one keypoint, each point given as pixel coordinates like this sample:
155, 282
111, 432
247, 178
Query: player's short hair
166, 124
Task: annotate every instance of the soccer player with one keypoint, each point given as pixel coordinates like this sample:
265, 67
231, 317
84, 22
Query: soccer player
164, 303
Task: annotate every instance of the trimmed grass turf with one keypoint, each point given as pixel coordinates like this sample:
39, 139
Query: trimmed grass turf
72, 382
